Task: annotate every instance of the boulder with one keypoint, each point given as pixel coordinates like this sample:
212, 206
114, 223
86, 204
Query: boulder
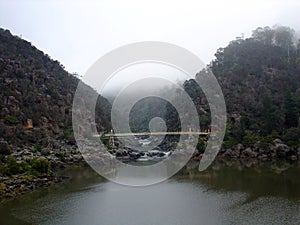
282, 150
257, 146
44, 121
248, 153
277, 141
235, 153
293, 157
5, 112
5, 149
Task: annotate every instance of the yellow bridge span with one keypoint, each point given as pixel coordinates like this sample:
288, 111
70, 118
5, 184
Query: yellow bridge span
154, 133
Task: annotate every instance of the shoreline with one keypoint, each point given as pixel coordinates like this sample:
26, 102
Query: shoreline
21, 184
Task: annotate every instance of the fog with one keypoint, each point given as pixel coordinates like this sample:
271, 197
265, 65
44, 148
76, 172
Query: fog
77, 33
150, 78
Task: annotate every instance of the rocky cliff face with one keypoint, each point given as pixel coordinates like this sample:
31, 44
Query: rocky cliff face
36, 103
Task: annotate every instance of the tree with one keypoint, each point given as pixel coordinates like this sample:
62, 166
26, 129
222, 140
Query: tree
284, 37
290, 111
264, 35
268, 116
298, 55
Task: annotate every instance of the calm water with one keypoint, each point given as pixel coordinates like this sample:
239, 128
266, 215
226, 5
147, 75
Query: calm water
231, 193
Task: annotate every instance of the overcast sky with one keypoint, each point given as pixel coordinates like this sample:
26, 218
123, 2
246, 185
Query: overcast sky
77, 33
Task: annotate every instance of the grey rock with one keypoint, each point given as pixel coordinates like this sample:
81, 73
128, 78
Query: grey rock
248, 153
281, 150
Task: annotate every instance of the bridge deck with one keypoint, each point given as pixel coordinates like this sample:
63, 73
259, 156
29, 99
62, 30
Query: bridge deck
154, 133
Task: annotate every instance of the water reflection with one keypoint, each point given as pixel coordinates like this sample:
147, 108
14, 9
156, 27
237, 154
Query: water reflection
253, 177
229, 192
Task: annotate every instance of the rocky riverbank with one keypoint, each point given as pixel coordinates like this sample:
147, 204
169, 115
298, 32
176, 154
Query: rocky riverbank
30, 167
58, 153
20, 184
273, 150
27, 168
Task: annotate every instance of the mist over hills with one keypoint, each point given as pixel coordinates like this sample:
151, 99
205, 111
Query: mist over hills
259, 76
260, 80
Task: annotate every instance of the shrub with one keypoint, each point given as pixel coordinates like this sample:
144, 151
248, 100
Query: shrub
229, 143
3, 169
292, 136
249, 140
40, 165
60, 155
68, 131
266, 142
2, 188
37, 148
12, 165
4, 148
11, 120
201, 146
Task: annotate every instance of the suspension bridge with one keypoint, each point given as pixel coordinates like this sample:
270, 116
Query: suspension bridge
113, 135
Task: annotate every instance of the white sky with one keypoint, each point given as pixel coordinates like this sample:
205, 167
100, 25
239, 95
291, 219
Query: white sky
77, 33
161, 76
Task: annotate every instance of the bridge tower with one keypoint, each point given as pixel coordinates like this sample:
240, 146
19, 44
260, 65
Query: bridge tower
112, 139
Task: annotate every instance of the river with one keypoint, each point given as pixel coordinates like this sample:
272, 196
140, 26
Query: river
226, 193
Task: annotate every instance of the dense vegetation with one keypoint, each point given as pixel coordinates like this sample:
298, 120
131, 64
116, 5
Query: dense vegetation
35, 107
260, 79
259, 76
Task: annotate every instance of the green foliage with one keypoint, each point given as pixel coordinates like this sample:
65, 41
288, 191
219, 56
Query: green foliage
40, 165
284, 36
36, 166
268, 116
4, 150
68, 131
249, 140
144, 110
2, 169
234, 132
264, 35
11, 120
27, 177
42, 88
13, 166
37, 148
201, 146
205, 121
255, 74
292, 137
105, 141
297, 96
290, 111
230, 142
266, 142
60, 155
2, 188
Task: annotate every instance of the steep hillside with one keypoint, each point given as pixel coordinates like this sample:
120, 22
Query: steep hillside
259, 76
36, 105
260, 80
